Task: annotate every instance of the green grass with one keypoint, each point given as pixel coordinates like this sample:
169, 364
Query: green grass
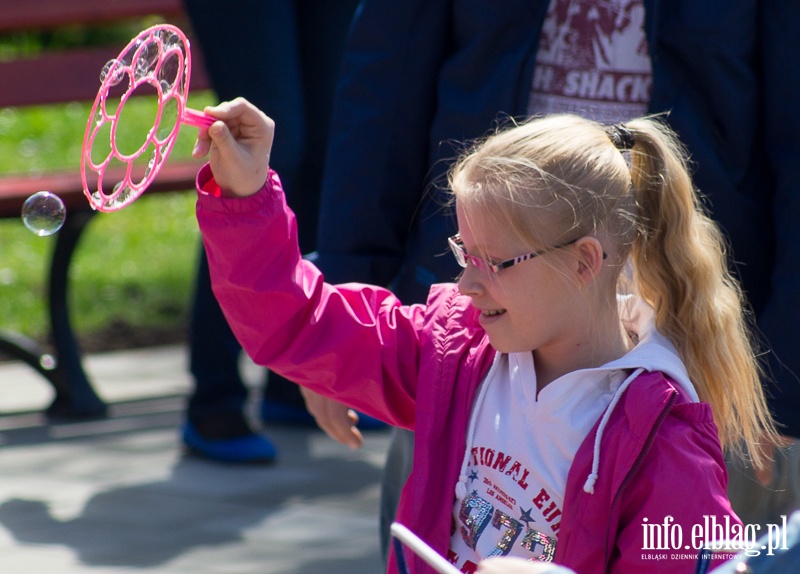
133, 267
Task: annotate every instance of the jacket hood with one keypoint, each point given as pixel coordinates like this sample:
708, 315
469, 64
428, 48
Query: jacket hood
653, 351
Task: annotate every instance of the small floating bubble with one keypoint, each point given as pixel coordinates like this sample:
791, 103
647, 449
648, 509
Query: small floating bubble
170, 70
48, 362
169, 119
120, 196
147, 59
150, 165
113, 70
43, 213
170, 39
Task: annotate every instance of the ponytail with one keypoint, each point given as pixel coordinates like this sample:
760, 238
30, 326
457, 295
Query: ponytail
680, 269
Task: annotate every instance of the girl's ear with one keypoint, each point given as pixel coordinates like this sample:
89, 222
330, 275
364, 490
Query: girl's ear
590, 259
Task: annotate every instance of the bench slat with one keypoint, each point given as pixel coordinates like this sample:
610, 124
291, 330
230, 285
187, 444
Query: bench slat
14, 190
68, 77
53, 78
49, 14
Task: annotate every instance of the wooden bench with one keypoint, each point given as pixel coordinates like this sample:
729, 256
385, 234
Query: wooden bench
59, 77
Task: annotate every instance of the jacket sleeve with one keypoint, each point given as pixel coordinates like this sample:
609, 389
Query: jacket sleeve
779, 21
377, 155
354, 343
675, 498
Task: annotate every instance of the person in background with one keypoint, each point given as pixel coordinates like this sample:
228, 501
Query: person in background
420, 74
284, 55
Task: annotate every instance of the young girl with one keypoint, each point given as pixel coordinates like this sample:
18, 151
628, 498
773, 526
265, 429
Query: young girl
555, 420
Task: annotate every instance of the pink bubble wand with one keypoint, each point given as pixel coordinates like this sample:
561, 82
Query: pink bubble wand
157, 61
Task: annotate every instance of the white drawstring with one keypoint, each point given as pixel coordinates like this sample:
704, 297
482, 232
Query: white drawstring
591, 479
588, 486
461, 485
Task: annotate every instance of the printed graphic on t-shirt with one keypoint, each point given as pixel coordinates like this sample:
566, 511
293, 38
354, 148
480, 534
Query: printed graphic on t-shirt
521, 442
592, 60
503, 513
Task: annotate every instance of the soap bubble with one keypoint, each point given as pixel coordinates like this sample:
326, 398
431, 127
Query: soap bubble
114, 70
169, 39
147, 59
43, 213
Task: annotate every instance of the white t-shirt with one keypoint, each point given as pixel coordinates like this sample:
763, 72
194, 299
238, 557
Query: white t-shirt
593, 61
520, 452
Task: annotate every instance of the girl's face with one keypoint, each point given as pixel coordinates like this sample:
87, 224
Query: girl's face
529, 306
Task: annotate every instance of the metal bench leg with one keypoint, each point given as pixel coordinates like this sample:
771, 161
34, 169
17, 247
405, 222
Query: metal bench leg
75, 396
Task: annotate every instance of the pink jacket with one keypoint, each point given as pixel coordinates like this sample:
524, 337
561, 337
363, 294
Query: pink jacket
418, 367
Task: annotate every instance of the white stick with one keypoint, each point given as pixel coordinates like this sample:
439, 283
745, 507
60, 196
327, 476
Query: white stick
421, 549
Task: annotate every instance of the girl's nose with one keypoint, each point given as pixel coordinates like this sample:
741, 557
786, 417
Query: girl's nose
470, 282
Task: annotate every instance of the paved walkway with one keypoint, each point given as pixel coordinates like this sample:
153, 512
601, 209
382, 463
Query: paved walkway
118, 495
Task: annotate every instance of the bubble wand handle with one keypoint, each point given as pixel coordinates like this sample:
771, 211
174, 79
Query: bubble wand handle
421, 549
196, 118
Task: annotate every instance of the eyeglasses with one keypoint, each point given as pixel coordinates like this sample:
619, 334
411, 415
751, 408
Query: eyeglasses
462, 257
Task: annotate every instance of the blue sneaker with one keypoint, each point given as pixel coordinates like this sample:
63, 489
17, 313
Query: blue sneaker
251, 448
280, 413
368, 423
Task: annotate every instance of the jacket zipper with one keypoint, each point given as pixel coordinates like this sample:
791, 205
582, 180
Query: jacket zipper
634, 469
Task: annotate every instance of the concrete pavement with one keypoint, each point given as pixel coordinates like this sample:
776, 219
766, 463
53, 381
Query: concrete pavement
119, 495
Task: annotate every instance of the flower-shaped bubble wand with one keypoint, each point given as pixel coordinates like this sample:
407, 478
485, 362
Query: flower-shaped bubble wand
121, 157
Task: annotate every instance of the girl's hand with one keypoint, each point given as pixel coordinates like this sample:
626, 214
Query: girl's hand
338, 421
238, 146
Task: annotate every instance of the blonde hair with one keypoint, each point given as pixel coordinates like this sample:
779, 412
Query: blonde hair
556, 178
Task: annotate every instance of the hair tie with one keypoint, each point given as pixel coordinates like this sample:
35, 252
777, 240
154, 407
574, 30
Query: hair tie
621, 137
